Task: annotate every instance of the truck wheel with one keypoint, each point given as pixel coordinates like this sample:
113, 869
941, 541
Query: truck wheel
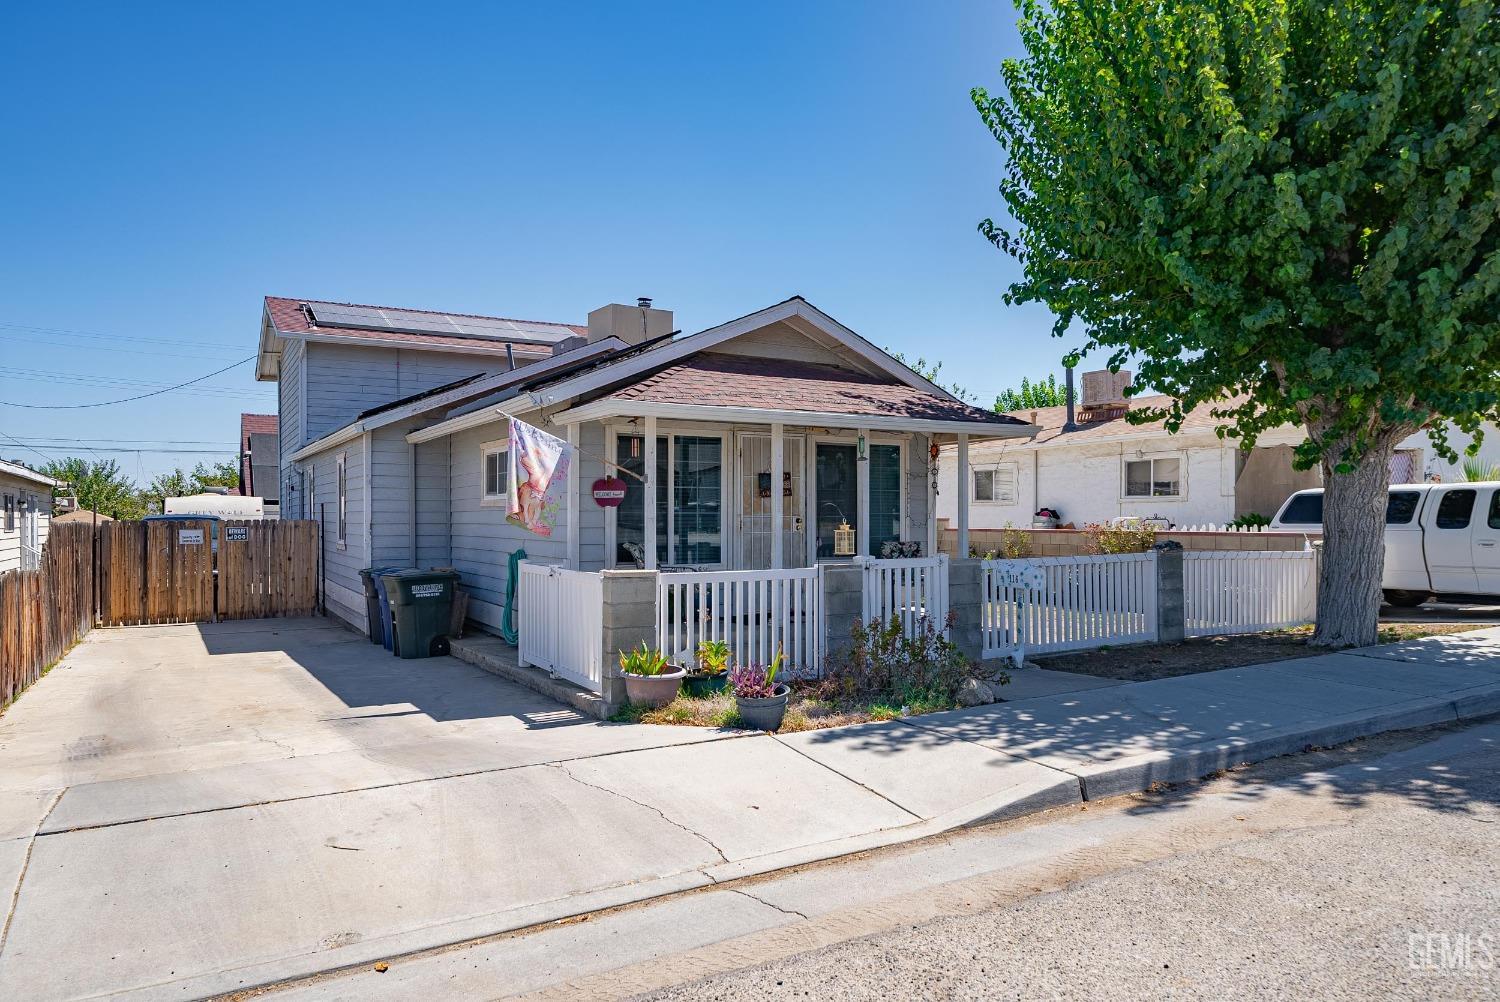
1405, 599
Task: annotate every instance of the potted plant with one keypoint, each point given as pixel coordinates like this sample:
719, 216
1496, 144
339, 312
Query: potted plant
711, 675
760, 698
649, 679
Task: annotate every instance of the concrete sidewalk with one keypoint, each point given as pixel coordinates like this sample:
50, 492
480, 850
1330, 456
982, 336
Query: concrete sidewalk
192, 811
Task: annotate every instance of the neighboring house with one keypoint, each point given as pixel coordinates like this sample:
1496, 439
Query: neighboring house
1105, 468
394, 429
25, 514
81, 516
260, 460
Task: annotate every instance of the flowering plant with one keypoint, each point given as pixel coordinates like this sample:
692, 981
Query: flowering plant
754, 681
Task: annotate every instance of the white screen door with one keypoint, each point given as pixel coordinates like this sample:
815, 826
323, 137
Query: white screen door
755, 503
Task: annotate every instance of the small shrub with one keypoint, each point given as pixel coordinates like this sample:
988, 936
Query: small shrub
755, 681
1015, 544
1134, 538
886, 669
1250, 521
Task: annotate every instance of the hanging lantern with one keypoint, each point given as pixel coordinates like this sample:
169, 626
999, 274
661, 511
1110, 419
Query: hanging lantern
843, 540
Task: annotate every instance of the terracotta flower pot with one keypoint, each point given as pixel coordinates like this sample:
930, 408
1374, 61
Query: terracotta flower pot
764, 713
654, 690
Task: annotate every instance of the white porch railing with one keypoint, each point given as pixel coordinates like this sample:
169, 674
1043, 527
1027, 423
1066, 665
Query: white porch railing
1079, 602
756, 612
560, 619
1246, 592
907, 590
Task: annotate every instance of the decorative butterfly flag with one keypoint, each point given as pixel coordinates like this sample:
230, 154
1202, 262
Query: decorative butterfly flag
538, 478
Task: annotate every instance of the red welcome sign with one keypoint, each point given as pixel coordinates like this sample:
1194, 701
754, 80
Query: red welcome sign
609, 492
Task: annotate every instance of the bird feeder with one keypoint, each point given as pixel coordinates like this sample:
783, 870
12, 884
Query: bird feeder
843, 540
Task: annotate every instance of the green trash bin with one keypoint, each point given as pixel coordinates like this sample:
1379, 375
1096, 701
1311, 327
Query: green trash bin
421, 607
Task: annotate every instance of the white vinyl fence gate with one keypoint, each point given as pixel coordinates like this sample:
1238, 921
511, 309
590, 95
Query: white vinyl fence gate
1077, 603
757, 613
907, 590
560, 619
1248, 592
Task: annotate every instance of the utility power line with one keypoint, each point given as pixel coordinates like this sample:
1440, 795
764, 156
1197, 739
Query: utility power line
126, 400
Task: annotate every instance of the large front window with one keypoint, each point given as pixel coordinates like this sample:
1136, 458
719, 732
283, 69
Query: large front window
689, 501
837, 483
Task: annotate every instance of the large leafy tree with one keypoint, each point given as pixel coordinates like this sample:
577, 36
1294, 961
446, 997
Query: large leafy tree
1285, 207
99, 485
1029, 395
181, 483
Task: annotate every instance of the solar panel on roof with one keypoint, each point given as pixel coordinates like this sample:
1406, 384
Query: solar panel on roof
413, 322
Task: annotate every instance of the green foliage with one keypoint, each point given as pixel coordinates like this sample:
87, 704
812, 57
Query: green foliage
1031, 396
885, 668
223, 474
1135, 538
713, 657
1283, 208
1252, 520
1476, 469
929, 371
181, 483
99, 485
643, 661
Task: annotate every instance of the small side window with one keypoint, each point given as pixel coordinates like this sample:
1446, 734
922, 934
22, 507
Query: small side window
10, 513
1455, 508
494, 474
1400, 507
984, 485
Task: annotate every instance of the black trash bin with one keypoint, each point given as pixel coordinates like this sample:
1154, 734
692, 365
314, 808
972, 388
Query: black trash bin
374, 621
421, 606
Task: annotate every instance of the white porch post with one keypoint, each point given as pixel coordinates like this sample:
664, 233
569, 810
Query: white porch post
963, 496
862, 495
778, 559
576, 462
649, 502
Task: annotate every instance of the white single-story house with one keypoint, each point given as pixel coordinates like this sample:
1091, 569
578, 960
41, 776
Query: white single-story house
754, 440
1104, 468
26, 496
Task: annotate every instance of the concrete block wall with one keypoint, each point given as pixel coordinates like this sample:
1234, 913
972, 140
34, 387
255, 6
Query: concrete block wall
965, 601
843, 606
629, 621
1171, 610
1074, 542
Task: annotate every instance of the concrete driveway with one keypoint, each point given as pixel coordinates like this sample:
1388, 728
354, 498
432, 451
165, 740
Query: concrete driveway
188, 809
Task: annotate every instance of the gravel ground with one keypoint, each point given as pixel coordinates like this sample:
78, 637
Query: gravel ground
1356, 903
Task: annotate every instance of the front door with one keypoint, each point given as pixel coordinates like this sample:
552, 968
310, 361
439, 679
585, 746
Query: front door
755, 503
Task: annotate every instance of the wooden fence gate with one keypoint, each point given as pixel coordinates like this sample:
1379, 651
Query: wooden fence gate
163, 572
267, 569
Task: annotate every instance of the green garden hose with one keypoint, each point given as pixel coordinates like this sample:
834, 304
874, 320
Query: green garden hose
508, 630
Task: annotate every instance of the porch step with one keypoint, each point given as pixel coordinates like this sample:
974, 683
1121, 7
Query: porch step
499, 658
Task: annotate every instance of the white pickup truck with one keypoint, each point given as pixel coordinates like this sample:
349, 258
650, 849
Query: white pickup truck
1441, 540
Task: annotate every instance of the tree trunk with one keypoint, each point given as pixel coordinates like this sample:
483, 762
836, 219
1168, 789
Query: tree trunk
1353, 550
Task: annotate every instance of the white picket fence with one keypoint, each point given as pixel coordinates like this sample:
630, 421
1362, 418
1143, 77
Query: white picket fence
907, 590
560, 619
1230, 592
756, 612
1075, 603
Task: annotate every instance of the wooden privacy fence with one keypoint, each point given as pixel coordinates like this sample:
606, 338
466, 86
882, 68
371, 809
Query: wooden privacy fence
164, 572
45, 611
267, 569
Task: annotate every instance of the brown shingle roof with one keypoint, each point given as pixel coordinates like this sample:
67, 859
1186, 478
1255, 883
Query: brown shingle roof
289, 318
718, 380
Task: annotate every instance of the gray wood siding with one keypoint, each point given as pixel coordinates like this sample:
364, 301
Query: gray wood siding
390, 495
433, 549
345, 380
291, 420
342, 563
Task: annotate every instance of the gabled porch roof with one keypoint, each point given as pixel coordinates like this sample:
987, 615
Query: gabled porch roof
739, 388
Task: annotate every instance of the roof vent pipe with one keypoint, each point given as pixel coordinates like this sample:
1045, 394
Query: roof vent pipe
510, 356
1070, 425
644, 302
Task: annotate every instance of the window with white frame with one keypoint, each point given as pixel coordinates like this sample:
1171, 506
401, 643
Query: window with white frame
1153, 477
997, 484
10, 513
343, 520
494, 474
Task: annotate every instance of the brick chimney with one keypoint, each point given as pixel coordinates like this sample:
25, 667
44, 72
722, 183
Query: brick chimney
631, 324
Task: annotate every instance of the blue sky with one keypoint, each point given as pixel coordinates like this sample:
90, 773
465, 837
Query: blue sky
170, 164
